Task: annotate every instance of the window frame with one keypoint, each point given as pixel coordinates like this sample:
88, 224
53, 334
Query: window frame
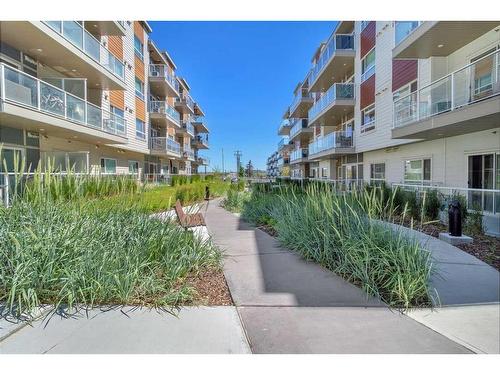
373, 173
103, 165
139, 94
368, 126
137, 52
135, 162
422, 181
140, 134
368, 69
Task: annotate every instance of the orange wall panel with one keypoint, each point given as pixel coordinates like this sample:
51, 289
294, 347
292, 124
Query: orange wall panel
115, 45
140, 109
139, 31
139, 69
117, 98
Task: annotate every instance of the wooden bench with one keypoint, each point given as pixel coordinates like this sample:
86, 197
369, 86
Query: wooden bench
188, 220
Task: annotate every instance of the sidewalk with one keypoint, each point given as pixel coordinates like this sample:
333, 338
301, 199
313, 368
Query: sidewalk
288, 305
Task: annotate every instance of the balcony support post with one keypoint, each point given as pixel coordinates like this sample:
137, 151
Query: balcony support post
452, 91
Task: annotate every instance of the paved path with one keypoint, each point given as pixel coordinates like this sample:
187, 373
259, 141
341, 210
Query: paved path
131, 330
288, 305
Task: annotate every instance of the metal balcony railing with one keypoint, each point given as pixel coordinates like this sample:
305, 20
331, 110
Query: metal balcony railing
472, 83
75, 33
161, 71
337, 91
22, 89
165, 144
161, 106
339, 139
337, 42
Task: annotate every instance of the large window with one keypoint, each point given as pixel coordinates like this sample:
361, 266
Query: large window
140, 129
377, 172
368, 65
138, 48
108, 165
417, 171
139, 88
119, 119
368, 118
133, 167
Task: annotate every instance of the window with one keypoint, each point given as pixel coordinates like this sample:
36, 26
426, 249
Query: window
368, 65
119, 118
133, 167
138, 47
377, 172
108, 165
324, 172
139, 88
140, 129
364, 24
404, 91
368, 118
417, 171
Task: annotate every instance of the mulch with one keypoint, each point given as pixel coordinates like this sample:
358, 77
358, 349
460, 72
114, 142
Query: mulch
211, 288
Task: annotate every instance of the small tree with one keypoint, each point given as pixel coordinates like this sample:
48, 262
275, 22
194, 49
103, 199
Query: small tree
249, 169
241, 172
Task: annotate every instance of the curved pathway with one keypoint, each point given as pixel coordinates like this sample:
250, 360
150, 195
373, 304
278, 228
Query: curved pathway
288, 305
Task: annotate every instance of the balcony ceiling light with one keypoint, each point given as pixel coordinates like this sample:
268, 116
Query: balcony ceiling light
440, 45
36, 51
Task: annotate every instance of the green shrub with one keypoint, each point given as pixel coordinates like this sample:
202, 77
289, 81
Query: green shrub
82, 254
474, 222
431, 205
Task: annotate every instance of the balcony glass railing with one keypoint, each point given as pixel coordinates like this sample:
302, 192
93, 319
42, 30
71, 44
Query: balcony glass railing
188, 127
283, 142
340, 139
165, 144
161, 71
198, 119
186, 99
337, 91
404, 28
188, 153
338, 42
303, 94
201, 139
299, 154
74, 32
22, 89
477, 81
297, 124
161, 106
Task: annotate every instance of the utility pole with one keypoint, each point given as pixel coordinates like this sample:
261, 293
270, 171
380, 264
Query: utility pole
238, 155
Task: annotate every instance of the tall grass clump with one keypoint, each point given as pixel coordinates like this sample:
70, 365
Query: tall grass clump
71, 254
343, 233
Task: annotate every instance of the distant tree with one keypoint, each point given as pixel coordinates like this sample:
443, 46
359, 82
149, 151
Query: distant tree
249, 169
241, 172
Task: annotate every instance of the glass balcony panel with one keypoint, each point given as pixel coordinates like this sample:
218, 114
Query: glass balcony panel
435, 98
73, 31
336, 91
75, 108
405, 28
55, 25
20, 87
94, 116
92, 47
52, 99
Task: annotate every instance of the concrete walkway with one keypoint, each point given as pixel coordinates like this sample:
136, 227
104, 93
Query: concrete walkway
288, 305
130, 330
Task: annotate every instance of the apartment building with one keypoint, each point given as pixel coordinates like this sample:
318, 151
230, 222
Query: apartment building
96, 96
272, 164
409, 103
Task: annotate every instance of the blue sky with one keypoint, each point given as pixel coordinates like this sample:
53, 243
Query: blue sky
243, 75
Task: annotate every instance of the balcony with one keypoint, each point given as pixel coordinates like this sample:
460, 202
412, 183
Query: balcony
164, 114
185, 104
336, 143
299, 128
200, 124
336, 60
301, 103
161, 82
299, 156
285, 144
462, 102
188, 153
200, 142
187, 128
284, 128
34, 104
68, 48
197, 110
108, 27
201, 160
336, 102
421, 40
164, 146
